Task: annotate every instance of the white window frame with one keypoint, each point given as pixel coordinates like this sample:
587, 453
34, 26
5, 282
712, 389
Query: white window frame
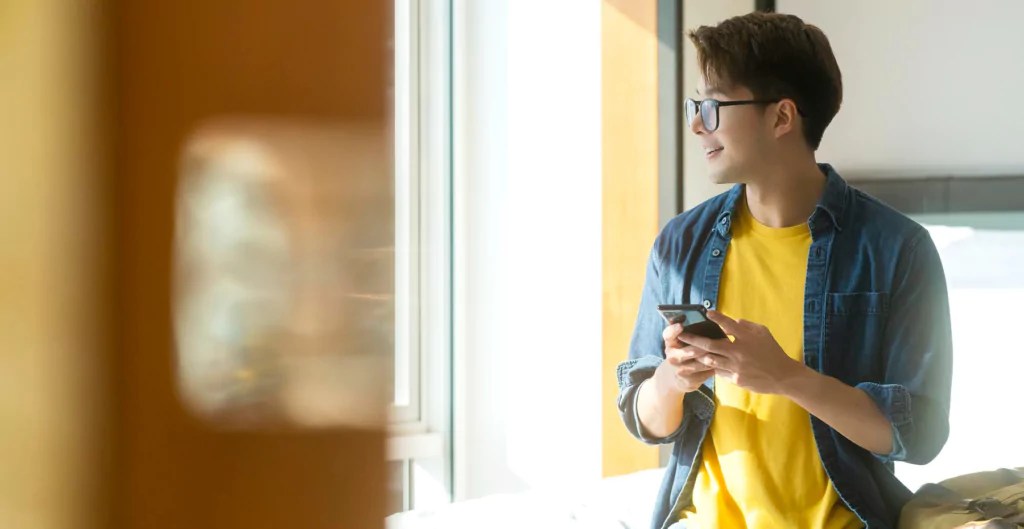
421, 427
405, 407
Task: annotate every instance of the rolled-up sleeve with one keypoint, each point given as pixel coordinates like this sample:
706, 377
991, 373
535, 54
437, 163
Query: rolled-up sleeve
915, 394
646, 352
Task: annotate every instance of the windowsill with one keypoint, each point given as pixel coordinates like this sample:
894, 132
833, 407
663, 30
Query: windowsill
414, 446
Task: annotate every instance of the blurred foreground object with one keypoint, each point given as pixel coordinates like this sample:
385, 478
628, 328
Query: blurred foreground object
285, 275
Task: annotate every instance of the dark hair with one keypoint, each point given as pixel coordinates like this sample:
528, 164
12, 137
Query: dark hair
775, 56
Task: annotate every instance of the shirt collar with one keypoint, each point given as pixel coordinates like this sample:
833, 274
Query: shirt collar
832, 201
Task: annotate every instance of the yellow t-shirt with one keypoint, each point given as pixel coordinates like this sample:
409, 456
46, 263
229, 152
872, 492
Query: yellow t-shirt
761, 467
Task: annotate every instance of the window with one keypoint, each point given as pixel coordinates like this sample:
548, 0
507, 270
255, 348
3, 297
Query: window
422, 218
405, 92
977, 224
420, 406
981, 254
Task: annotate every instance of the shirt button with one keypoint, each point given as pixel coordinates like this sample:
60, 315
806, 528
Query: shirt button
707, 303
716, 252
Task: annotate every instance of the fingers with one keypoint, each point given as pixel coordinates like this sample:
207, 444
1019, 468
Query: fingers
678, 355
671, 333
692, 369
735, 327
692, 365
729, 325
727, 375
707, 344
713, 361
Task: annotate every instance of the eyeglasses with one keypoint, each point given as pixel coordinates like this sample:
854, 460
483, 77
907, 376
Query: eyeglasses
709, 110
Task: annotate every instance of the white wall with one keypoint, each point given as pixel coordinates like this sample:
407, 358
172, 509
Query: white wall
527, 295
931, 87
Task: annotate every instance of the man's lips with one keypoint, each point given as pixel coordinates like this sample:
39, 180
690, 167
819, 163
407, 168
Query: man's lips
712, 151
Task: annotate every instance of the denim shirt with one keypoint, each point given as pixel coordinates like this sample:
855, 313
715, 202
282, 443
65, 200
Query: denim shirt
876, 317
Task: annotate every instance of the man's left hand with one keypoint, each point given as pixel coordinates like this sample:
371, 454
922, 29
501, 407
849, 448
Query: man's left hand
753, 360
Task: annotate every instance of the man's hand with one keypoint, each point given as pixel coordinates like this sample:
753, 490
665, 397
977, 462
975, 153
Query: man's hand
753, 361
682, 371
660, 399
756, 362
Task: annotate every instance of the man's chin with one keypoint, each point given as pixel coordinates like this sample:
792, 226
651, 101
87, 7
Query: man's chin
721, 177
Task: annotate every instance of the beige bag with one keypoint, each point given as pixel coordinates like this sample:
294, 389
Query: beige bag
991, 500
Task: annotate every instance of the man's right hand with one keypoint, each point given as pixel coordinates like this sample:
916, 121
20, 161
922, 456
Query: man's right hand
660, 401
681, 372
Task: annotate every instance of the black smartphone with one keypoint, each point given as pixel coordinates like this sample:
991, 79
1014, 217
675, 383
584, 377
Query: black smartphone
694, 319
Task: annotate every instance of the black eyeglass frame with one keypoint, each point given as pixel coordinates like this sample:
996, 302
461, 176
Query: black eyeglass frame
714, 105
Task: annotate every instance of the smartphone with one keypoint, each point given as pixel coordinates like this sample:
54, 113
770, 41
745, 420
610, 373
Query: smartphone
694, 319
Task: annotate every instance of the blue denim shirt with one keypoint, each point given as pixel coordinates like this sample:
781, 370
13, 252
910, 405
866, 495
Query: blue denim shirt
876, 316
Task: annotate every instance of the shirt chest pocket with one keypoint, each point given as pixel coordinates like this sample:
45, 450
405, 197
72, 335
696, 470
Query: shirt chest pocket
854, 330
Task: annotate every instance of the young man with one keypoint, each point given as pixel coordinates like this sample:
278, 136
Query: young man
839, 361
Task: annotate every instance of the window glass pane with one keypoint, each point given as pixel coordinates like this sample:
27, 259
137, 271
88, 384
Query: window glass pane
982, 254
404, 134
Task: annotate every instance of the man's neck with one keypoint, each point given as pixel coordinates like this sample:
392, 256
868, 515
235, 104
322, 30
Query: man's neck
786, 197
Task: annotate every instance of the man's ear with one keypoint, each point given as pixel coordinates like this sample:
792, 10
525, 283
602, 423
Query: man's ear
785, 117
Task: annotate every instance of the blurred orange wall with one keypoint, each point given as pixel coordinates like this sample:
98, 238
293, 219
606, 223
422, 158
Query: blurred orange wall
630, 201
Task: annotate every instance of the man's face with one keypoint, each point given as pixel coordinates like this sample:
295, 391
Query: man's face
739, 144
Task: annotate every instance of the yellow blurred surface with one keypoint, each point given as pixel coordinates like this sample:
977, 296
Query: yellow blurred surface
49, 251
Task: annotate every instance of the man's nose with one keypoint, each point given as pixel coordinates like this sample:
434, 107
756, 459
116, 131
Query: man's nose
697, 125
